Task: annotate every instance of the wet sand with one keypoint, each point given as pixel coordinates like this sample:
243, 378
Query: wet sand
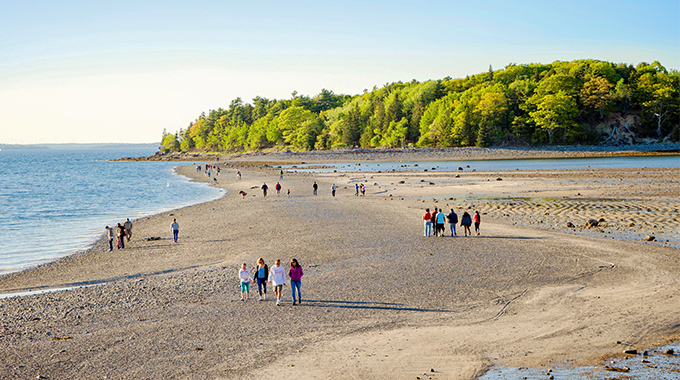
379, 299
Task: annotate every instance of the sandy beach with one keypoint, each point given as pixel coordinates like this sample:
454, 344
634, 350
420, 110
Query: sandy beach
536, 288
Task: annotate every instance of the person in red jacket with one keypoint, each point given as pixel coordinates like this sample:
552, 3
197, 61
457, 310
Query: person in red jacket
477, 220
427, 219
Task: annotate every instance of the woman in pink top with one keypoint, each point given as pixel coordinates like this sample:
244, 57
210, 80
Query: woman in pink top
477, 220
295, 274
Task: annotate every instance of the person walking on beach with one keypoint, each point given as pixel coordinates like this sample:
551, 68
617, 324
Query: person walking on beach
278, 188
246, 278
277, 277
362, 188
315, 187
477, 219
264, 189
175, 229
356, 188
128, 229
109, 235
261, 275
333, 188
238, 175
441, 219
120, 235
466, 222
427, 219
453, 220
295, 274
281, 174
433, 221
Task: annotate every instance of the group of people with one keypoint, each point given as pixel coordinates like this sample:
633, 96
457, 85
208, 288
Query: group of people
209, 170
359, 188
264, 188
276, 275
315, 189
120, 233
435, 221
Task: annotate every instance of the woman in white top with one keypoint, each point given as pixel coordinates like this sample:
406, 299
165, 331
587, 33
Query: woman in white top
277, 276
246, 278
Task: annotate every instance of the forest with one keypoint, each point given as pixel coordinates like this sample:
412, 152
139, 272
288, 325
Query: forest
579, 102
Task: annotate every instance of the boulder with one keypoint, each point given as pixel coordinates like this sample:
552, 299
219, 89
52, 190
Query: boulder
570, 225
649, 238
592, 223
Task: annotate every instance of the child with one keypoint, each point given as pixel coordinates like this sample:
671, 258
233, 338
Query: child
246, 278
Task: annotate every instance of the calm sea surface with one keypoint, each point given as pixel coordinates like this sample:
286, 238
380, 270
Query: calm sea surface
667, 161
54, 202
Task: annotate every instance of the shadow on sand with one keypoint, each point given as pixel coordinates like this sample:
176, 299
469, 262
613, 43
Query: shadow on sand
369, 305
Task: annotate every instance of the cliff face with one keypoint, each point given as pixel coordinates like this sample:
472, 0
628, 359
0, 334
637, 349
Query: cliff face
621, 128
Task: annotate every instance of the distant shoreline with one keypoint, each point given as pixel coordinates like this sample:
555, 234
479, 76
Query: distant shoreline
425, 154
79, 146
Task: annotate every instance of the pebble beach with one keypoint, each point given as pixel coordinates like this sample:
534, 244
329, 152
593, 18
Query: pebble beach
539, 286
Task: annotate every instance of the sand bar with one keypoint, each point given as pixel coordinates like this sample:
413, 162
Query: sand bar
380, 299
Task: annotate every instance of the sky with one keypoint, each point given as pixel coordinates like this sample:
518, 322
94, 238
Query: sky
123, 71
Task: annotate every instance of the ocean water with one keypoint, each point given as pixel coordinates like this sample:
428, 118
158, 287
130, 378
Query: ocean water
666, 161
54, 202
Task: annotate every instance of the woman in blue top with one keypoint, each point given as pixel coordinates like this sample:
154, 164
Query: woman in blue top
261, 275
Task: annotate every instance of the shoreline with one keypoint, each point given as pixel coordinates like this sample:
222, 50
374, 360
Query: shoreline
518, 296
98, 237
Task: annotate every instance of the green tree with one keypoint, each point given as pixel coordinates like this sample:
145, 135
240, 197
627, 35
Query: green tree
351, 131
463, 132
493, 108
299, 127
169, 142
596, 94
663, 98
622, 93
199, 133
554, 111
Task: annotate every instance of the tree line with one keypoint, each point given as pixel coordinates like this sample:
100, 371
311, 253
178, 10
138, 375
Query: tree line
577, 102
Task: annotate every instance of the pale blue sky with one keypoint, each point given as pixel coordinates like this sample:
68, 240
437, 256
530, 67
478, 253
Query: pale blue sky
79, 71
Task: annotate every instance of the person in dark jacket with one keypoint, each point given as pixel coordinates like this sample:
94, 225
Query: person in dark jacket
466, 222
433, 220
453, 220
261, 275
